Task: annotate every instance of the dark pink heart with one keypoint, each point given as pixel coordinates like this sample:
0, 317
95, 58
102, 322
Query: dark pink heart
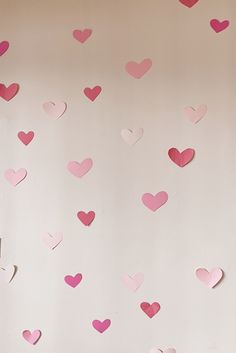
73, 281
92, 93
9, 92
86, 218
181, 158
188, 3
219, 26
25, 138
3, 47
82, 35
101, 326
150, 309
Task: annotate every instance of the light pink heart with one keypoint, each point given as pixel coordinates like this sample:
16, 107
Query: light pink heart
137, 70
195, 115
168, 350
52, 240
132, 136
133, 282
4, 45
150, 309
9, 92
32, 337
73, 281
82, 35
15, 177
25, 138
86, 218
7, 272
101, 326
212, 278
92, 93
181, 158
219, 26
153, 202
80, 169
55, 109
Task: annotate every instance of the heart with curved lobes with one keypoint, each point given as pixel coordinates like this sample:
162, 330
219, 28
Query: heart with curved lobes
86, 218
101, 326
9, 92
153, 202
4, 45
73, 281
138, 70
219, 26
82, 35
189, 3
92, 93
181, 158
25, 138
150, 309
15, 177
210, 279
80, 169
32, 337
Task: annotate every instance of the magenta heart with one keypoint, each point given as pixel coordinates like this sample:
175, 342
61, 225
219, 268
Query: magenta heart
82, 35
181, 158
33, 337
3, 47
80, 169
25, 138
86, 218
73, 281
219, 26
137, 70
153, 202
8, 93
188, 3
101, 326
92, 93
150, 309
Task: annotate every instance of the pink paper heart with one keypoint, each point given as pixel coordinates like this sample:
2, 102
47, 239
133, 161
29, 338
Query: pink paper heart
82, 35
25, 138
168, 350
55, 109
212, 278
92, 93
7, 272
132, 136
153, 202
80, 169
181, 158
137, 70
9, 92
15, 177
133, 282
33, 337
150, 309
219, 26
188, 3
3, 47
52, 241
86, 218
195, 115
101, 326
73, 281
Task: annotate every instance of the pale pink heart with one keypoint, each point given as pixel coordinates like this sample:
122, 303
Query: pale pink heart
31, 337
7, 272
92, 93
52, 240
55, 109
153, 202
212, 278
3, 47
181, 158
80, 169
219, 26
73, 281
195, 115
9, 92
168, 350
132, 136
25, 138
133, 282
137, 70
101, 326
86, 218
15, 177
150, 309
82, 35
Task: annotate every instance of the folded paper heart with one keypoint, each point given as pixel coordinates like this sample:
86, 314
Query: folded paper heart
80, 169
101, 326
195, 115
181, 158
133, 282
92, 93
15, 177
188, 3
55, 109
212, 278
150, 309
73, 281
82, 35
25, 138
132, 136
219, 26
168, 350
32, 337
3, 47
153, 202
7, 272
9, 92
52, 240
137, 70
86, 218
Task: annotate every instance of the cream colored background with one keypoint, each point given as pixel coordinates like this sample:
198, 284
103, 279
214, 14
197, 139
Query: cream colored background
196, 228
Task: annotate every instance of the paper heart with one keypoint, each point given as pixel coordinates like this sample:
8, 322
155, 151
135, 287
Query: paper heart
15, 177
7, 273
212, 278
73, 281
55, 109
195, 115
132, 136
101, 326
82, 35
33, 337
153, 202
150, 309
80, 169
9, 92
181, 158
219, 26
52, 240
133, 282
168, 350
137, 70
3, 47
25, 138
86, 218
188, 3
92, 93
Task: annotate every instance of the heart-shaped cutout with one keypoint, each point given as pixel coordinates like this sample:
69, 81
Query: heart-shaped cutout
137, 70
219, 26
153, 202
212, 278
101, 326
133, 282
7, 272
25, 137
55, 109
80, 169
181, 158
150, 309
131, 136
52, 240
15, 177
4, 45
92, 93
168, 350
82, 35
32, 337
9, 92
73, 281
86, 218
195, 115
